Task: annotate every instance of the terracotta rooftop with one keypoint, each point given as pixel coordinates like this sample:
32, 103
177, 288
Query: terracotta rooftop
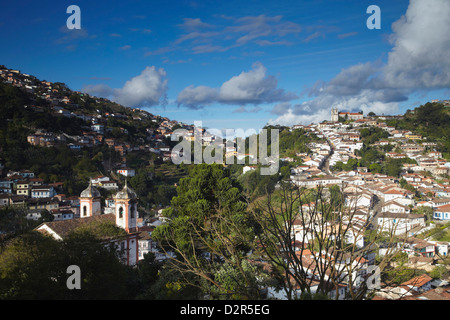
65, 227
418, 281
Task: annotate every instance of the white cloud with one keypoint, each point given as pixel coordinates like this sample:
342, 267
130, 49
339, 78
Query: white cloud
418, 61
243, 109
253, 27
346, 35
290, 118
249, 87
281, 108
196, 35
71, 35
194, 24
231, 32
254, 87
147, 89
100, 90
197, 97
315, 35
420, 57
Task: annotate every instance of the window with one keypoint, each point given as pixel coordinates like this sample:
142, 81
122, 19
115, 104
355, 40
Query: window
84, 211
132, 212
120, 212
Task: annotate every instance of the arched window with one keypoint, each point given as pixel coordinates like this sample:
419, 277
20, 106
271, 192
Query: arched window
132, 212
120, 212
84, 210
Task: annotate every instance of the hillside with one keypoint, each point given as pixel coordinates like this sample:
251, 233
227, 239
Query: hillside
431, 120
66, 137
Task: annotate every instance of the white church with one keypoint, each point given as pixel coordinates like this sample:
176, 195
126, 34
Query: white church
125, 216
336, 114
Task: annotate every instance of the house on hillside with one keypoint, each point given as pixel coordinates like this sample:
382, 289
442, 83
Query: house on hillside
127, 172
395, 193
417, 246
105, 183
43, 192
351, 115
23, 187
416, 285
394, 206
442, 212
398, 223
355, 200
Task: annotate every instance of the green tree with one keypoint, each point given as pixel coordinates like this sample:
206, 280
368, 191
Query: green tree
103, 275
392, 167
438, 272
398, 275
28, 269
375, 168
351, 164
324, 251
14, 222
209, 230
46, 216
34, 266
148, 270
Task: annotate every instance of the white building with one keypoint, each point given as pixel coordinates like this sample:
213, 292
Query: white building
248, 168
395, 207
398, 223
124, 216
105, 183
43, 192
442, 212
127, 172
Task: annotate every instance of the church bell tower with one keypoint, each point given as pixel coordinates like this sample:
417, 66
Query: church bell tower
90, 202
334, 115
126, 209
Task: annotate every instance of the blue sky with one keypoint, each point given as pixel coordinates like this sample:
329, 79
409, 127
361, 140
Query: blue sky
236, 64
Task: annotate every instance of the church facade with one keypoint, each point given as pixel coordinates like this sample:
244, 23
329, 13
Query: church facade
125, 216
335, 115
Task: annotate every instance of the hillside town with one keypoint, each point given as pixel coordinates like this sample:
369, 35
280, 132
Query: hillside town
380, 198
408, 205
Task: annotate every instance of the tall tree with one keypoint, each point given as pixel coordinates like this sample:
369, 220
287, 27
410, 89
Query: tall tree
34, 266
210, 235
318, 246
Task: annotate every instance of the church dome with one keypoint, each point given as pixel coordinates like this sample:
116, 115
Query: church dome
90, 192
126, 193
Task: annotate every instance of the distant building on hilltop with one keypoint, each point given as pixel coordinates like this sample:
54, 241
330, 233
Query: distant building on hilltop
351, 115
334, 115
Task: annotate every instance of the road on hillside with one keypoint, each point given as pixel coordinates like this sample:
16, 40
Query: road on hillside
326, 165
